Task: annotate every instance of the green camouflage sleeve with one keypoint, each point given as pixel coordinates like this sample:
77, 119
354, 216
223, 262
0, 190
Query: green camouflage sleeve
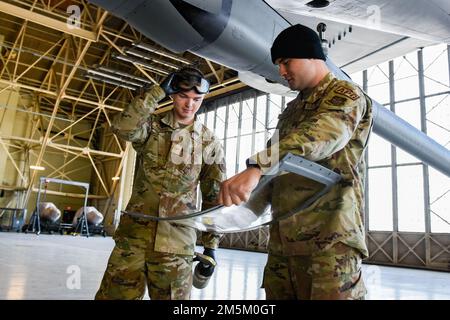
327, 131
212, 174
131, 124
211, 240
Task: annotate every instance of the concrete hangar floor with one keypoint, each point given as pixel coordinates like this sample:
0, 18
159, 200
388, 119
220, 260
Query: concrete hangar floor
71, 268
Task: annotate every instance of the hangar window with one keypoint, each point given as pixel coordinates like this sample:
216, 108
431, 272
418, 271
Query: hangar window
405, 199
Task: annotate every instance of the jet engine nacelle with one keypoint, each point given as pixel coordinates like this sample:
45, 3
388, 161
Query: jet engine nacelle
225, 31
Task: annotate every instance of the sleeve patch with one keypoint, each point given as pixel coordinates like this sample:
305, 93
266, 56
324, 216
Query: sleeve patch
346, 92
337, 101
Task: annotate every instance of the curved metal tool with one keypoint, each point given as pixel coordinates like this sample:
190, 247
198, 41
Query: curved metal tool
203, 258
257, 211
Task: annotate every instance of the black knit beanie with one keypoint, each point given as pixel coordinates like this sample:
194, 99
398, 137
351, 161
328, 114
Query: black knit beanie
297, 41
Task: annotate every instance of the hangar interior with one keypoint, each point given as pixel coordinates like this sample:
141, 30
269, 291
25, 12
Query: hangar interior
60, 88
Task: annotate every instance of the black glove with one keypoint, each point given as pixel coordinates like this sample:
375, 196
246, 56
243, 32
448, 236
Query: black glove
166, 85
205, 269
210, 252
144, 89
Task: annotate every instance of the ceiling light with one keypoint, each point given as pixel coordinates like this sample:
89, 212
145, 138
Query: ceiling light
142, 63
110, 81
37, 168
131, 76
146, 56
115, 77
160, 52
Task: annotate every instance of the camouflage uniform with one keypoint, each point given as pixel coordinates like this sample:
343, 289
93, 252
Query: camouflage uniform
171, 161
319, 249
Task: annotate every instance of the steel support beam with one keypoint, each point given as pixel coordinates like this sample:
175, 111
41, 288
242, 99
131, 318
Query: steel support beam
47, 21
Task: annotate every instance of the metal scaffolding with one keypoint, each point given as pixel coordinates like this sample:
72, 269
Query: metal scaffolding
46, 62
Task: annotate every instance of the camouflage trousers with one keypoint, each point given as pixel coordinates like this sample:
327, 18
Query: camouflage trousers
133, 265
333, 274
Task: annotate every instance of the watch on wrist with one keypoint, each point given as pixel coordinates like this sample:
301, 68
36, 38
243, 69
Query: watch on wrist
251, 165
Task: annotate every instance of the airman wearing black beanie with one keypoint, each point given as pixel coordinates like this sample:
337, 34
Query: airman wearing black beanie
297, 41
328, 123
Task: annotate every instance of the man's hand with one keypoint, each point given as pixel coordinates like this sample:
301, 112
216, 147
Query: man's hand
167, 85
238, 188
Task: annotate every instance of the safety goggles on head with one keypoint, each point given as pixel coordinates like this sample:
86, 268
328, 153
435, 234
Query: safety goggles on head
188, 82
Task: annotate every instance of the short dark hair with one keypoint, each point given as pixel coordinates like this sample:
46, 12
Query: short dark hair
189, 78
191, 71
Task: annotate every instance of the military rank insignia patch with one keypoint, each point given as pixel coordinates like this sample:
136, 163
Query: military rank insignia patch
337, 101
346, 92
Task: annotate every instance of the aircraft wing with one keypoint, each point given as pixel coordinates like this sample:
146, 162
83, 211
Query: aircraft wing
361, 34
238, 34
